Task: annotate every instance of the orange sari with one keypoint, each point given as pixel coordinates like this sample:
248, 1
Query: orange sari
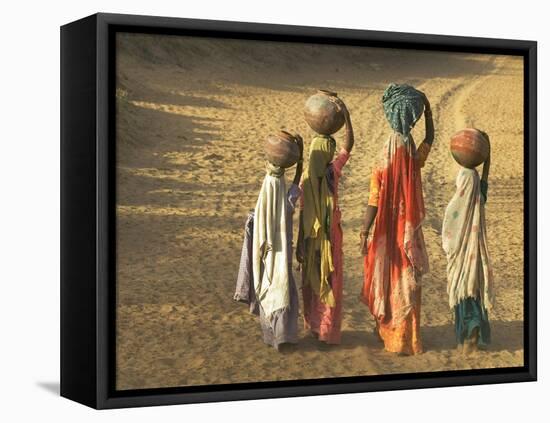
397, 257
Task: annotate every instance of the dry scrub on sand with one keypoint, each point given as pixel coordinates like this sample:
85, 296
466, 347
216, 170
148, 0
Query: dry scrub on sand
191, 118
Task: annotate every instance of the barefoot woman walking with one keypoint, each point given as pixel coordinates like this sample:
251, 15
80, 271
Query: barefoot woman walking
469, 270
396, 258
320, 237
265, 279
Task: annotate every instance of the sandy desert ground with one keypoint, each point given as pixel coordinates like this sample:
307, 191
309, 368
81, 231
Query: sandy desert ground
192, 115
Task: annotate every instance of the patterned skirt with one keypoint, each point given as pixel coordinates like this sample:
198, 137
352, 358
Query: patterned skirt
403, 337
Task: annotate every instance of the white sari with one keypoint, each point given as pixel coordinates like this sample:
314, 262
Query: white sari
270, 265
469, 271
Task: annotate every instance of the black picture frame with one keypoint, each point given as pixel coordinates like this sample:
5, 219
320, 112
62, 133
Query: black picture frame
88, 212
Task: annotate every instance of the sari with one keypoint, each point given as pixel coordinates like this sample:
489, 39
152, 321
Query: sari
469, 270
265, 279
397, 257
282, 326
269, 243
322, 272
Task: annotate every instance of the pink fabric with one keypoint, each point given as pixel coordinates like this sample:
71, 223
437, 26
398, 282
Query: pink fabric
321, 319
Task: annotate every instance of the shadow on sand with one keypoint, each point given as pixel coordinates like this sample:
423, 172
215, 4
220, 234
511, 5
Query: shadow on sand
506, 336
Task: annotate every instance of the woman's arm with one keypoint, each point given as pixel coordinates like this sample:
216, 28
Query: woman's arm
424, 148
371, 210
430, 131
349, 139
487, 164
370, 215
484, 184
296, 181
300, 164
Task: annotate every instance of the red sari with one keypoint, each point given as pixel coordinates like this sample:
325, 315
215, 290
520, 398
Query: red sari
397, 257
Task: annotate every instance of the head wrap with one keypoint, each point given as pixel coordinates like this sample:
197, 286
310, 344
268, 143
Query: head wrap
403, 106
317, 218
274, 170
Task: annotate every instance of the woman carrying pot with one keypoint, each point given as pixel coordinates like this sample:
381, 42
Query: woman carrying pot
320, 233
396, 257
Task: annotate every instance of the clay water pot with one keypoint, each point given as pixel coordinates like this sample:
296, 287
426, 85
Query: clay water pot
470, 147
281, 149
322, 115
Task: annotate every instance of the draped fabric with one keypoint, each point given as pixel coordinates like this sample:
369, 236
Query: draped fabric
469, 271
469, 315
403, 106
317, 219
270, 264
282, 325
322, 320
397, 254
244, 289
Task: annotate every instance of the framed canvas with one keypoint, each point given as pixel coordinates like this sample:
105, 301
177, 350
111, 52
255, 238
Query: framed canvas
229, 231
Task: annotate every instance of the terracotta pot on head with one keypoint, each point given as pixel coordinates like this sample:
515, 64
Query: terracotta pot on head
322, 115
281, 149
470, 147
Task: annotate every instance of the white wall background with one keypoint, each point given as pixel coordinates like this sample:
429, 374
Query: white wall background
29, 208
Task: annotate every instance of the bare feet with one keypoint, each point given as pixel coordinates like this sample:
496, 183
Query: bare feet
469, 348
470, 344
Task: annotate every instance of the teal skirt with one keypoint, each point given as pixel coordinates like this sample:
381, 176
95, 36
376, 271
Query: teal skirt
469, 314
